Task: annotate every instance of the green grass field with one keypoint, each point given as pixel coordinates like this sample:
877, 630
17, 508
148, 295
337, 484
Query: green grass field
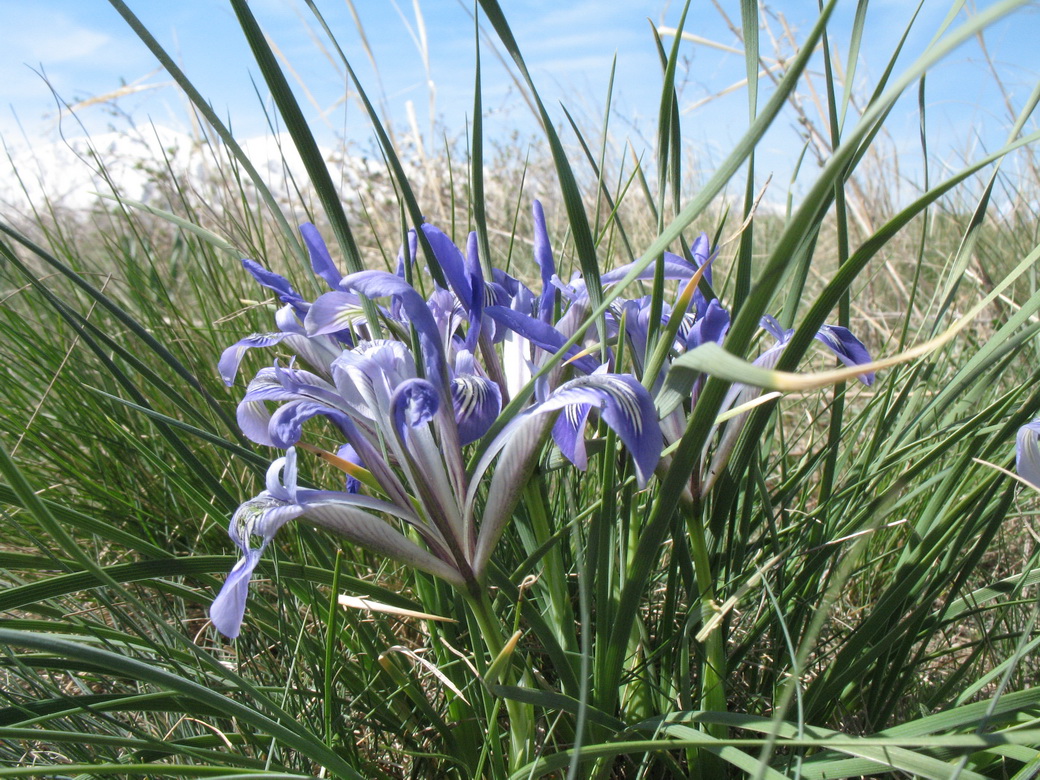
819, 579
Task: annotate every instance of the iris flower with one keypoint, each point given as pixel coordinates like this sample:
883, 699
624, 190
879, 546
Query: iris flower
405, 414
318, 351
1027, 453
840, 340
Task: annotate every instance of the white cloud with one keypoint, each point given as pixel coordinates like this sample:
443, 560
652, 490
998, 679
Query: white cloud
49, 36
63, 45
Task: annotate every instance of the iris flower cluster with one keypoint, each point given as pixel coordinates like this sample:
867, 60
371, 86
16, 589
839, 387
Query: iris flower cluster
406, 395
419, 387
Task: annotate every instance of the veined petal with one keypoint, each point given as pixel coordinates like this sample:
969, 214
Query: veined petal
569, 434
447, 312
367, 375
415, 404
303, 384
1027, 453
849, 349
261, 517
343, 513
321, 260
232, 356
477, 402
319, 352
278, 384
626, 406
738, 394
254, 420
519, 444
378, 536
375, 463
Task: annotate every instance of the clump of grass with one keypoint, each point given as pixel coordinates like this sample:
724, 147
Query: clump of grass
850, 593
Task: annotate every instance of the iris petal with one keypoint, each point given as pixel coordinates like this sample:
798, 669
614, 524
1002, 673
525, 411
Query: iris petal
259, 517
626, 406
378, 536
379, 284
546, 265
451, 261
477, 402
569, 434
254, 419
415, 402
849, 349
712, 326
232, 356
349, 454
1027, 453
675, 267
333, 312
321, 260
229, 607
277, 283
772, 326
286, 425
413, 247
478, 291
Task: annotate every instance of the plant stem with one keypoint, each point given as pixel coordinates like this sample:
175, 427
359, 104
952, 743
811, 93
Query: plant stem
713, 671
521, 716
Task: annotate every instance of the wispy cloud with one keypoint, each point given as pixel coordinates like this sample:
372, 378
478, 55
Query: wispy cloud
48, 36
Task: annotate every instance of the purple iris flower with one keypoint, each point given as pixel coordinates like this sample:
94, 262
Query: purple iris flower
546, 264
404, 417
1027, 453
347, 514
839, 340
351, 484
849, 349
317, 351
712, 326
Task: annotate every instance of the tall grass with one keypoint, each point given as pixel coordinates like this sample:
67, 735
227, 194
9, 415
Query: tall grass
850, 592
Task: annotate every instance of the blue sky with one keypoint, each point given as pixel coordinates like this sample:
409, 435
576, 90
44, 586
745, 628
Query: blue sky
86, 50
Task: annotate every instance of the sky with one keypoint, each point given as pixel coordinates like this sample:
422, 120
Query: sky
84, 52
